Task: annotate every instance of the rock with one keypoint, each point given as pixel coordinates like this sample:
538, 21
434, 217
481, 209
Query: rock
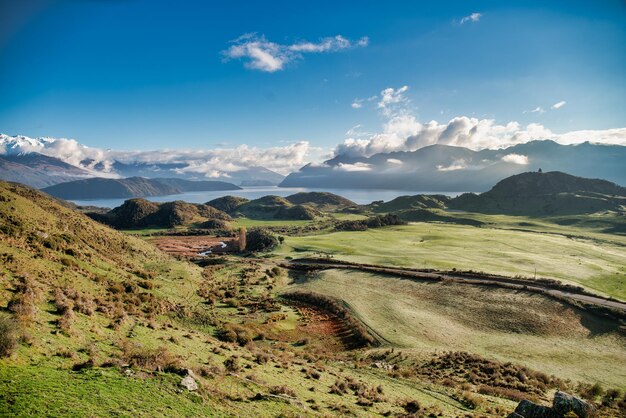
528, 409
514, 415
564, 403
189, 383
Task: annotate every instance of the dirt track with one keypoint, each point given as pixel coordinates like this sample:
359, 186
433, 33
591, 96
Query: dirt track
475, 279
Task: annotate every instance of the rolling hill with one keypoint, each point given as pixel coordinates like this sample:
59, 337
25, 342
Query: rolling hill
141, 213
103, 188
545, 194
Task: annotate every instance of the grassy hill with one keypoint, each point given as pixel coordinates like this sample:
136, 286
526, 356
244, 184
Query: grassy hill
141, 213
321, 200
104, 324
419, 201
545, 194
275, 207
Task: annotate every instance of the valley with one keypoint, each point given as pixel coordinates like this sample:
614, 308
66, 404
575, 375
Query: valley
331, 308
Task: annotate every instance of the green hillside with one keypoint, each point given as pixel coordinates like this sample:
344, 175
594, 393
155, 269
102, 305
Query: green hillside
141, 213
545, 194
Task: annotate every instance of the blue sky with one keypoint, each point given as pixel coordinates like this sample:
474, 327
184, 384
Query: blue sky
153, 74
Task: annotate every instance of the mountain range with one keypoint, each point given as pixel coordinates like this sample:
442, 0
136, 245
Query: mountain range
451, 169
41, 162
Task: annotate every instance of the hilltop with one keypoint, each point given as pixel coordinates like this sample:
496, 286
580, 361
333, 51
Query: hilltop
105, 188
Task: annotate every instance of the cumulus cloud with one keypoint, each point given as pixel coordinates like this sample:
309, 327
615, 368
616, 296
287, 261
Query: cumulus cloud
260, 54
208, 163
401, 131
515, 159
357, 104
474, 17
559, 105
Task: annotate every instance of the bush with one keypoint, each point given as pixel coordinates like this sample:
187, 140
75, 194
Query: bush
8, 336
260, 240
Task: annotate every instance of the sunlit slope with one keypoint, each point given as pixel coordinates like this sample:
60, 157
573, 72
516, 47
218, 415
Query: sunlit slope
521, 327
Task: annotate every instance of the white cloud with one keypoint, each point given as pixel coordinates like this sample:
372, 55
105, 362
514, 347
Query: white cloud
353, 167
394, 161
538, 109
402, 131
209, 163
456, 165
357, 104
559, 104
474, 17
391, 96
515, 159
261, 54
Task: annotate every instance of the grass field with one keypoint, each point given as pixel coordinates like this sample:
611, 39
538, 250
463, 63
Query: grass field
497, 323
597, 264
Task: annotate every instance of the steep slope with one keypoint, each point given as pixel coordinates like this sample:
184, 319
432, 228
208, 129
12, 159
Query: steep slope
103, 188
541, 194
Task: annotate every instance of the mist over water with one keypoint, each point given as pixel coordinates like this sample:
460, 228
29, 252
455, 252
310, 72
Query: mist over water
360, 196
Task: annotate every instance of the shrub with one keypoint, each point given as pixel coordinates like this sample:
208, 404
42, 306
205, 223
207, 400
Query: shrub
8, 336
260, 240
156, 359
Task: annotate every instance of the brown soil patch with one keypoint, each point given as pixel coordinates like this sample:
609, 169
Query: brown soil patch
191, 246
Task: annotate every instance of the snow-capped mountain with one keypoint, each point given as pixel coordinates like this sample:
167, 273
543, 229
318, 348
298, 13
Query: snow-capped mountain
234, 166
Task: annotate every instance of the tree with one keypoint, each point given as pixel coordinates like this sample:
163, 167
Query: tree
242, 238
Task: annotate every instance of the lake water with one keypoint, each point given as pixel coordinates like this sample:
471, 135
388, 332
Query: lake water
360, 196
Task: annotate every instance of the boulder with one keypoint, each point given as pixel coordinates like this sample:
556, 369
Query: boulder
514, 415
564, 403
189, 383
528, 409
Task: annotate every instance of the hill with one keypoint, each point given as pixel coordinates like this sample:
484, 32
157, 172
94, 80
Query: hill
102, 188
227, 204
455, 169
545, 194
419, 201
321, 200
275, 207
141, 213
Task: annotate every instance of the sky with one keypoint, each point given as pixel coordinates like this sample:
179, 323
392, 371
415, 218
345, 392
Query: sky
319, 77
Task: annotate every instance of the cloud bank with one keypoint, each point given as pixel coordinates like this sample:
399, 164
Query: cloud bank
208, 163
260, 54
402, 131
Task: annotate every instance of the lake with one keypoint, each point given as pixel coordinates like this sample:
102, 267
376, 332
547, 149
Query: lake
360, 196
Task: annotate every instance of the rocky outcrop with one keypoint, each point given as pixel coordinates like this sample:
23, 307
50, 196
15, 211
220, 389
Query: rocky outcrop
562, 405
528, 409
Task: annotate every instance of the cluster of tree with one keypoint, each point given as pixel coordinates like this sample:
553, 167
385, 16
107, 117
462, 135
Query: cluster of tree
331, 305
260, 240
373, 222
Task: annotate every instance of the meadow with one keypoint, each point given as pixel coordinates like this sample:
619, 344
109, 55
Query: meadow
574, 255
516, 326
